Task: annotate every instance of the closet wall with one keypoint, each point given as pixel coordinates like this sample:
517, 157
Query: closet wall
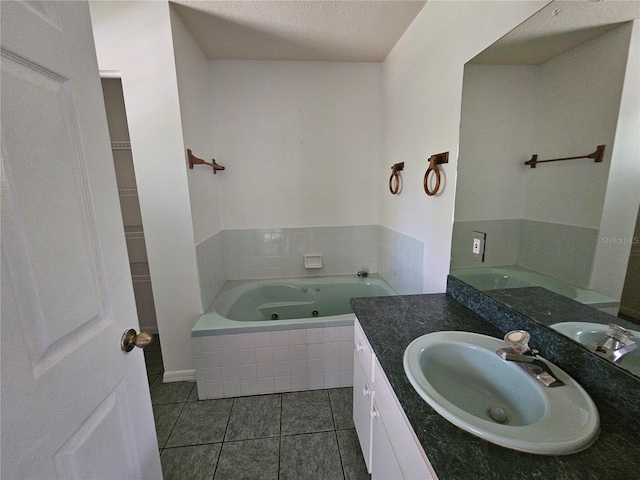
129, 205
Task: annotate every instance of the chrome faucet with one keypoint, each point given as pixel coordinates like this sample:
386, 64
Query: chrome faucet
615, 344
363, 273
519, 351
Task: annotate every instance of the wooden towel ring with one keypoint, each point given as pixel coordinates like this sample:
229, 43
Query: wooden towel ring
434, 161
394, 179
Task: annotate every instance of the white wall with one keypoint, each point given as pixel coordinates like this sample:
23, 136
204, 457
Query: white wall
194, 89
134, 38
422, 89
496, 134
577, 105
300, 141
623, 187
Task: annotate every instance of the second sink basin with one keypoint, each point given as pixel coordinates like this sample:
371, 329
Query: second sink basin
460, 376
587, 332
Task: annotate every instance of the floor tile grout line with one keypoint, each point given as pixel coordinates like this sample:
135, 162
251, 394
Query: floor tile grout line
280, 433
193, 445
306, 433
233, 402
333, 418
226, 428
174, 423
335, 434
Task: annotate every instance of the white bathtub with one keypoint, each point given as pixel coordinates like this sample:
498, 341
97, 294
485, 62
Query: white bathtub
513, 276
240, 350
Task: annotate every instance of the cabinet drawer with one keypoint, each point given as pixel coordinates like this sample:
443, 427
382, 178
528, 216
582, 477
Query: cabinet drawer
363, 350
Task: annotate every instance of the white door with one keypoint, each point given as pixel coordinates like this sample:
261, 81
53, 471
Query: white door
74, 405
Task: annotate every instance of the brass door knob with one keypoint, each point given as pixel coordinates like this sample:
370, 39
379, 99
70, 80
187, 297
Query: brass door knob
130, 339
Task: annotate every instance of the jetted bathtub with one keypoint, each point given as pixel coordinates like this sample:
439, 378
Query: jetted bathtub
279, 335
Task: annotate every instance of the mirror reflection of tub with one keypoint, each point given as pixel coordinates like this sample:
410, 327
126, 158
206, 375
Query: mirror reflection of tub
513, 276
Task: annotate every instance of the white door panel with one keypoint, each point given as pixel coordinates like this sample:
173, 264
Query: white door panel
53, 228
74, 405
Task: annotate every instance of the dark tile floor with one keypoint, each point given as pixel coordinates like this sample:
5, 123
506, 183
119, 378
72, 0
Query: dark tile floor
295, 435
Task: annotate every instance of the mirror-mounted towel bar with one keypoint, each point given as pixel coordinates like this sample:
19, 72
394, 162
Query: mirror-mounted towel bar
193, 160
434, 161
597, 157
394, 179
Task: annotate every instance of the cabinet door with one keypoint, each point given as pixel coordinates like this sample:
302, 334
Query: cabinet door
362, 405
385, 464
410, 454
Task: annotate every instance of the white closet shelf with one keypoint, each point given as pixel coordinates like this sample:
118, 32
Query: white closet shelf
140, 272
120, 145
128, 192
133, 232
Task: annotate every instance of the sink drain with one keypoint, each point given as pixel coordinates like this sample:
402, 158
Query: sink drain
498, 415
274, 316
315, 313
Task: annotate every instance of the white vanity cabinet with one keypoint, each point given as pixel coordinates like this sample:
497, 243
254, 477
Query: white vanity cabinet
385, 464
389, 444
363, 393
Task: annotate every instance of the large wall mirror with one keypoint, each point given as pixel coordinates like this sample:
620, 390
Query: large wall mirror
560, 85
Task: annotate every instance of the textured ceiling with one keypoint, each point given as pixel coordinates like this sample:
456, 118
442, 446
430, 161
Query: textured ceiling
333, 31
556, 29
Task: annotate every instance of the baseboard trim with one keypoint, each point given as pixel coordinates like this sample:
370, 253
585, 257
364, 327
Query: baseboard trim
179, 376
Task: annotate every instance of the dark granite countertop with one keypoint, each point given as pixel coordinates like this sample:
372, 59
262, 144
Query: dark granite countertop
547, 307
391, 323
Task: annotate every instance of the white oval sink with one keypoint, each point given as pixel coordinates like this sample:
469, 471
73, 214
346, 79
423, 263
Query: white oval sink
462, 378
586, 333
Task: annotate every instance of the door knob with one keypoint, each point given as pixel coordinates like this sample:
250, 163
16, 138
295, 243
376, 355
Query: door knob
130, 339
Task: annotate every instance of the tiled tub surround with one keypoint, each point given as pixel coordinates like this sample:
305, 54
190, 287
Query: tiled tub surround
270, 362
248, 353
279, 253
400, 260
210, 256
391, 323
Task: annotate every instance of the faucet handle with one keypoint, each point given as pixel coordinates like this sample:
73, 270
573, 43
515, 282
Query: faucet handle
518, 340
619, 333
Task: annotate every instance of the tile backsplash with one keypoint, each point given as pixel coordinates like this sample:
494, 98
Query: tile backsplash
400, 261
210, 256
563, 252
279, 253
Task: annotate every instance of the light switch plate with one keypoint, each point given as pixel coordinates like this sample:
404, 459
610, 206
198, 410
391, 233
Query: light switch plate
477, 245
